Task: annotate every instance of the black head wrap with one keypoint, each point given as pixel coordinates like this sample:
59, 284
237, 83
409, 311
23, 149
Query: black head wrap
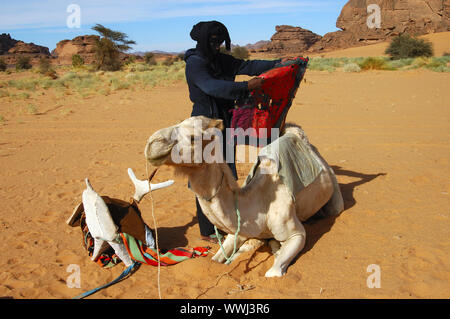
202, 32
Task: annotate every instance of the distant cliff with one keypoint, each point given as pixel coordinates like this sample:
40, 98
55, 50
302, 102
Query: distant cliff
414, 17
11, 50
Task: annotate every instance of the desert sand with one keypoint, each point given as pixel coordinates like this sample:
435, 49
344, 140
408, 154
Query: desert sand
385, 133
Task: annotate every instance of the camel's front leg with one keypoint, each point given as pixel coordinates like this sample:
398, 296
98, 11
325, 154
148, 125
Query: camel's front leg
289, 249
228, 246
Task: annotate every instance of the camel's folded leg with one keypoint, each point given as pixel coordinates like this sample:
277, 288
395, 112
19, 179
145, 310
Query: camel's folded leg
288, 250
228, 246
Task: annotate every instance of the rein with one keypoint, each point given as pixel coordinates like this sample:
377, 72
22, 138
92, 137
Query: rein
218, 189
238, 213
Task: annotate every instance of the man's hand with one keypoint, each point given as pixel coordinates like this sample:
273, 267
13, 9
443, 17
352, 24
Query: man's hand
255, 83
286, 59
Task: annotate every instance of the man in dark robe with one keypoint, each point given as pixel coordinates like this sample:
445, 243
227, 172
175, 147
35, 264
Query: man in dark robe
211, 75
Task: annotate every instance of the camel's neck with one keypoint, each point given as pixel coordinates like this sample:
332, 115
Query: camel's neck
215, 188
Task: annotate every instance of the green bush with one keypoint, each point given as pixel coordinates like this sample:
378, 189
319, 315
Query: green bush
130, 60
3, 65
44, 65
405, 46
374, 64
401, 63
109, 47
77, 61
107, 56
23, 63
150, 58
323, 64
169, 61
240, 53
352, 67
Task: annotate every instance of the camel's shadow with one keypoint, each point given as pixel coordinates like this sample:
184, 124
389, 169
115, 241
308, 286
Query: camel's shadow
170, 237
317, 227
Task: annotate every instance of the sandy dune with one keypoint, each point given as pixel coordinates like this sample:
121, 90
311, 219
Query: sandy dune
387, 135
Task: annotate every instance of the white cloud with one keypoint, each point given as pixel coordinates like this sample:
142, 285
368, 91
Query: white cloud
51, 13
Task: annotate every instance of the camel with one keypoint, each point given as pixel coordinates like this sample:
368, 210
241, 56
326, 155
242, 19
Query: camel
268, 211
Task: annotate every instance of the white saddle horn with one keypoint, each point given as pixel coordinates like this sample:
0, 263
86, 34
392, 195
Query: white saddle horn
143, 187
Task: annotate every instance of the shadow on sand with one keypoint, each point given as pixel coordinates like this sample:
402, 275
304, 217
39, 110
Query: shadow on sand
316, 228
172, 237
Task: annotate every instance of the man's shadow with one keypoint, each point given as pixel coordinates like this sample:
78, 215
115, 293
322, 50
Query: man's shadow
316, 227
172, 237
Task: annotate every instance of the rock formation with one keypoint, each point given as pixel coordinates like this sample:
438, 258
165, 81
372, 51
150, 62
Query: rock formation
6, 43
257, 46
11, 50
288, 39
83, 45
414, 17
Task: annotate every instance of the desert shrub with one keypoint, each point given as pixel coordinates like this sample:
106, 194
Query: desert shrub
420, 62
405, 46
4, 93
23, 63
22, 96
446, 54
77, 60
32, 109
141, 67
351, 67
372, 63
323, 64
3, 65
107, 56
149, 58
438, 65
169, 61
109, 47
44, 66
24, 84
118, 84
130, 60
401, 63
240, 53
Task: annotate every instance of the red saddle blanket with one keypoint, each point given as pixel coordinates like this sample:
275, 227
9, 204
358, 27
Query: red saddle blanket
267, 108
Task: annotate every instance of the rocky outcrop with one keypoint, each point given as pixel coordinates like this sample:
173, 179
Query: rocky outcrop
11, 50
6, 43
83, 45
289, 39
414, 17
257, 46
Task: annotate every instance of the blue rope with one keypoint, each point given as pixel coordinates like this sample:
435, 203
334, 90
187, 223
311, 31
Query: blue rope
122, 276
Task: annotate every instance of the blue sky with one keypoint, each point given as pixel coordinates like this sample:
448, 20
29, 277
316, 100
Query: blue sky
164, 24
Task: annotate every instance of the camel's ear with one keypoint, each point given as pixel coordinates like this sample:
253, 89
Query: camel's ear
216, 123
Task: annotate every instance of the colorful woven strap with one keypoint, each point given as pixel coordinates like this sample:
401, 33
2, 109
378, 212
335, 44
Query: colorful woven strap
146, 255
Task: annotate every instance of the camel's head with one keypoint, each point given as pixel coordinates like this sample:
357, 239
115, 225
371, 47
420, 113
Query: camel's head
188, 143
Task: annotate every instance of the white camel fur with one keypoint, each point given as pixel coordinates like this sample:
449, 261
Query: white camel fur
267, 209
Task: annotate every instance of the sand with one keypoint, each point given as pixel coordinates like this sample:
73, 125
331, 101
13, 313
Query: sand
386, 134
